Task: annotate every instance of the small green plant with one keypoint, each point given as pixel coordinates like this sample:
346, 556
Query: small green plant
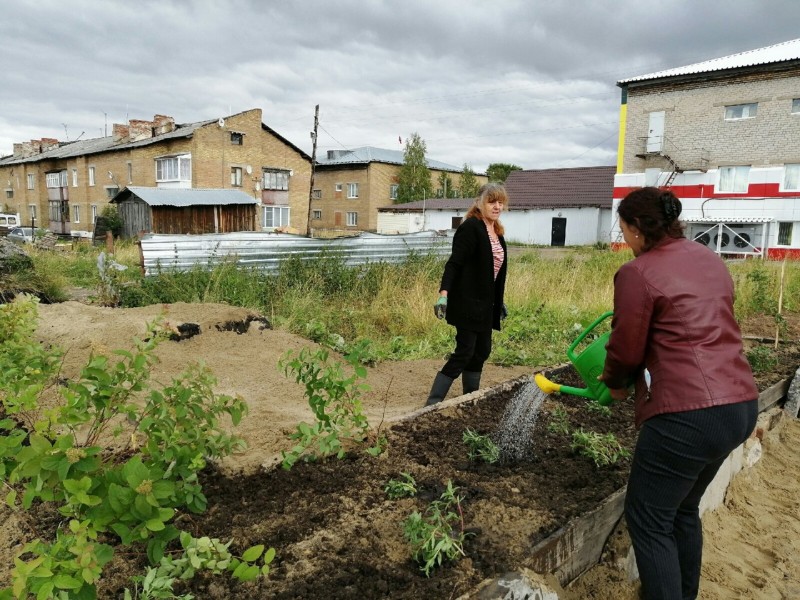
596, 407
603, 449
761, 359
559, 421
439, 533
405, 487
481, 447
335, 400
200, 554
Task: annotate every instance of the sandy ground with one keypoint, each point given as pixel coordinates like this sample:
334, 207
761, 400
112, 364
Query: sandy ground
752, 543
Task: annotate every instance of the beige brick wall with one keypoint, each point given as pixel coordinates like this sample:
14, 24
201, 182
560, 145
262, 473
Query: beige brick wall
694, 121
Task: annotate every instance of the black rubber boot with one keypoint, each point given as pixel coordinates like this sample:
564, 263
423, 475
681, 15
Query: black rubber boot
441, 385
471, 380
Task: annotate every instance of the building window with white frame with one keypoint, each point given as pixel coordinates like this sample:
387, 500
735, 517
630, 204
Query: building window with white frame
316, 194
352, 219
785, 233
796, 106
74, 177
91, 176
276, 216
31, 180
316, 215
174, 169
76, 213
111, 191
352, 190
734, 112
275, 179
734, 180
791, 178
56, 179
236, 176
338, 187
94, 214
393, 191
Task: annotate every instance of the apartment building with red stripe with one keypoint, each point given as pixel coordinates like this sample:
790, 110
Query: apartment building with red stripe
724, 136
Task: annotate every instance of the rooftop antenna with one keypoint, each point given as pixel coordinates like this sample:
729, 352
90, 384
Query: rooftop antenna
66, 133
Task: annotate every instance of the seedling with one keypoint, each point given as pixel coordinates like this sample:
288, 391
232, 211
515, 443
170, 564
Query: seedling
481, 447
559, 421
405, 487
603, 449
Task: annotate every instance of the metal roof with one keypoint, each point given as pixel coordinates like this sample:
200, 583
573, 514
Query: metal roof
103, 144
368, 154
732, 219
431, 204
185, 197
760, 56
565, 188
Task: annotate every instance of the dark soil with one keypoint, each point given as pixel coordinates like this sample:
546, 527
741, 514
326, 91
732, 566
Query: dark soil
338, 536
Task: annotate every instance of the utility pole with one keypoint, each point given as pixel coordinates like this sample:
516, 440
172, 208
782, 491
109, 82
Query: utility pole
313, 165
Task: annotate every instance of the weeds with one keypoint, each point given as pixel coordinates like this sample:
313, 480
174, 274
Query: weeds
405, 487
481, 447
603, 449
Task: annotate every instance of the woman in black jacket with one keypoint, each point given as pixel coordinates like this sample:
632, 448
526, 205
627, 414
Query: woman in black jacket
471, 292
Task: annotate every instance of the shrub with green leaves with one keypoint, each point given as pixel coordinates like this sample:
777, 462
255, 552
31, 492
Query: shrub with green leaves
335, 400
62, 454
405, 487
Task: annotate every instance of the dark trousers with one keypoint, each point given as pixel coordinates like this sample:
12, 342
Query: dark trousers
676, 457
472, 350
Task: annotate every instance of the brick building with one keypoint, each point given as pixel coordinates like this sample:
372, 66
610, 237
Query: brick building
351, 185
724, 135
64, 185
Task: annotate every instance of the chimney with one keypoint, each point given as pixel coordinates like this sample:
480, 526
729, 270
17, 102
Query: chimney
140, 130
163, 124
119, 132
49, 144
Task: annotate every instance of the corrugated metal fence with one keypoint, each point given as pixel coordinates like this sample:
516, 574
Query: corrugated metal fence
264, 251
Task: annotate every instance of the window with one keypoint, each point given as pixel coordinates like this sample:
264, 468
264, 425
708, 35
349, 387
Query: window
237, 139
352, 190
56, 180
76, 213
393, 191
91, 175
74, 177
276, 216
796, 106
275, 179
236, 176
338, 187
733, 179
741, 111
791, 177
174, 168
317, 214
785, 233
130, 173
352, 219
94, 214
111, 191
9, 194
316, 194
32, 211
31, 180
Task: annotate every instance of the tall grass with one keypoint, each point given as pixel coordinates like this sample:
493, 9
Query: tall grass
388, 308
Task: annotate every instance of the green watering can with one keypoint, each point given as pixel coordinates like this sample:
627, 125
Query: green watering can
589, 364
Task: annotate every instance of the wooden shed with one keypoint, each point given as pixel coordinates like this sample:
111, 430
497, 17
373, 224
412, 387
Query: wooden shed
166, 210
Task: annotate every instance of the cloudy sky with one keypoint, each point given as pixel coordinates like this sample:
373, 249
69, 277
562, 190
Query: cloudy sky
528, 82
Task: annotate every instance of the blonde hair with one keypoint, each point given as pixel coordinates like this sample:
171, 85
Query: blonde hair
490, 191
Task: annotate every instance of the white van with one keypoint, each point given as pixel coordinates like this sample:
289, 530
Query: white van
9, 221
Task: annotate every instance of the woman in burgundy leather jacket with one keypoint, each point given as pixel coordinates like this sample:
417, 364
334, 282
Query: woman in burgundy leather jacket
471, 291
673, 315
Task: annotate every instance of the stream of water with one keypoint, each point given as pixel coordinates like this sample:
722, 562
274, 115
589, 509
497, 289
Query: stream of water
514, 435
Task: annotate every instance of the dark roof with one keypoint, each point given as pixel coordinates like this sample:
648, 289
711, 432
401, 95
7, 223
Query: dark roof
561, 188
185, 197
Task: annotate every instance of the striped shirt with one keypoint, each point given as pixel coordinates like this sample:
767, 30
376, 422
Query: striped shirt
497, 251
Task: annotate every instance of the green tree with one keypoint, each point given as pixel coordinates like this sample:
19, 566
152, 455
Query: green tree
469, 184
446, 188
498, 172
414, 180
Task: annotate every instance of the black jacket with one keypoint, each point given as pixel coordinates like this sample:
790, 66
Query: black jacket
474, 296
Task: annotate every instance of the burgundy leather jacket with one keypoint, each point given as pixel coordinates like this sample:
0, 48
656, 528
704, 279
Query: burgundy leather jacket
673, 314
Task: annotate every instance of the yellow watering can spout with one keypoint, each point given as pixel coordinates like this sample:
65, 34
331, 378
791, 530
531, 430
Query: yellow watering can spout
547, 386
